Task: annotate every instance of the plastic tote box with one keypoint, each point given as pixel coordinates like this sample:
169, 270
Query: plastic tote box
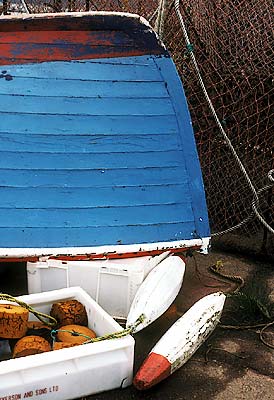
111, 283
71, 372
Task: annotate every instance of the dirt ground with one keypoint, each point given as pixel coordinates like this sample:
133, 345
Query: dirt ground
232, 364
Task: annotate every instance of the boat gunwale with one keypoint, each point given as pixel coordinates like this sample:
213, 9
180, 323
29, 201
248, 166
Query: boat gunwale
104, 252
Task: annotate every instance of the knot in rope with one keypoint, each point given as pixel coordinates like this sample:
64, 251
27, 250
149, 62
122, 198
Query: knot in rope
190, 48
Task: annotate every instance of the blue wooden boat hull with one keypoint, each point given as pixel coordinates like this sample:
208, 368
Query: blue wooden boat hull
97, 148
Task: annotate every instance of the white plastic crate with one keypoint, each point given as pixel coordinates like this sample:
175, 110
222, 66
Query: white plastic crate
72, 372
111, 283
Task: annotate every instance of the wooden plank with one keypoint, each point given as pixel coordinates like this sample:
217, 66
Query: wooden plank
61, 237
139, 38
34, 161
53, 197
86, 143
83, 70
59, 38
78, 88
91, 177
95, 216
80, 45
18, 54
71, 125
83, 106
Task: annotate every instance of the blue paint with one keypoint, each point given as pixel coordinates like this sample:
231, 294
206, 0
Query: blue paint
14, 122
97, 152
87, 144
189, 152
38, 161
29, 86
96, 216
98, 196
82, 178
90, 70
82, 236
86, 106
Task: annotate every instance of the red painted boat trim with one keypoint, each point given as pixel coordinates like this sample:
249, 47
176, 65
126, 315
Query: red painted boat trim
88, 257
18, 259
67, 37
53, 37
154, 369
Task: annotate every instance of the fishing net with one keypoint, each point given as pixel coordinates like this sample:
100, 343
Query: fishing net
233, 43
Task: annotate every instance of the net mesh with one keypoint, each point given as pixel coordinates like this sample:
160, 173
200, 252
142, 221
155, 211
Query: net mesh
233, 43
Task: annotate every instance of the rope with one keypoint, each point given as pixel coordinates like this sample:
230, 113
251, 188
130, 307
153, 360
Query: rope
41, 316
243, 327
261, 335
25, 6
271, 175
116, 335
255, 201
216, 269
153, 15
160, 21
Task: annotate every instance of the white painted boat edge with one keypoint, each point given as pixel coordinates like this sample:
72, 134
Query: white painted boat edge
202, 243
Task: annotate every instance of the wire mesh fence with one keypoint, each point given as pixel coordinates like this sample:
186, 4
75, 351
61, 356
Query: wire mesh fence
233, 42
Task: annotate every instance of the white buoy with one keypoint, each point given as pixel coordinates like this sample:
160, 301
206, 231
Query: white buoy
157, 292
179, 343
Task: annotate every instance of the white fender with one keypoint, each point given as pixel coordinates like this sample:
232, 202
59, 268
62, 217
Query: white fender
181, 340
157, 292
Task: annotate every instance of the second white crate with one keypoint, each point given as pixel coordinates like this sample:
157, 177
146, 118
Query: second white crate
111, 283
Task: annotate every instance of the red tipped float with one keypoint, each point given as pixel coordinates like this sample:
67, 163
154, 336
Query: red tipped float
154, 369
181, 341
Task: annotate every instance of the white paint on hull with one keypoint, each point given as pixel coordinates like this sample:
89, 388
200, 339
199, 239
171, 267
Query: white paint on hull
203, 243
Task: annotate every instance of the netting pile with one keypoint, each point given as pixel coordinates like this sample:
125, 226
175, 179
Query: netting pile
233, 43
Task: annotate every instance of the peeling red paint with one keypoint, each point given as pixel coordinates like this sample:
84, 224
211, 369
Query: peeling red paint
68, 37
20, 54
18, 259
87, 257
21, 42
154, 369
110, 256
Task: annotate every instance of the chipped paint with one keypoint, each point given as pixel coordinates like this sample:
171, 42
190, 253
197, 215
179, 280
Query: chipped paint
84, 173
85, 36
181, 341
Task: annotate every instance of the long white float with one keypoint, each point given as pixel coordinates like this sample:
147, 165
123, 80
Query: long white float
157, 292
180, 342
